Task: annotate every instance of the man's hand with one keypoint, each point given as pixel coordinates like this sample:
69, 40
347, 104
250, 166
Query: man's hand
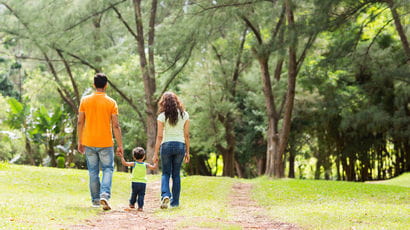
120, 154
120, 151
81, 148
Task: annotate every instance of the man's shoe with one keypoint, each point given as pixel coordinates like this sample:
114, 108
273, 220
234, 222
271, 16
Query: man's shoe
104, 203
96, 204
164, 202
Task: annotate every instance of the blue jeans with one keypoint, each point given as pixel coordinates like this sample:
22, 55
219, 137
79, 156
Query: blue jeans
97, 157
172, 154
138, 189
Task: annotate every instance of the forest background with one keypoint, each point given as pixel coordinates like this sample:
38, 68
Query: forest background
287, 88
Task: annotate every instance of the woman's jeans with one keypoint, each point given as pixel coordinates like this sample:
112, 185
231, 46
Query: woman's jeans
138, 190
97, 157
172, 154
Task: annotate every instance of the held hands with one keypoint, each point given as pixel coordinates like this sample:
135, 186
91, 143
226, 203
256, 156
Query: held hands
155, 158
120, 154
120, 151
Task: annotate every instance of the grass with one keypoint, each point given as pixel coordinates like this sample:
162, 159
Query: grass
402, 180
204, 197
35, 197
335, 205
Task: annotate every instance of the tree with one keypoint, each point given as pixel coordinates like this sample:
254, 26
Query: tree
19, 118
49, 129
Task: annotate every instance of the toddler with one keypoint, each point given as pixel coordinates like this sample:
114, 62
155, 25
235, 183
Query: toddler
139, 173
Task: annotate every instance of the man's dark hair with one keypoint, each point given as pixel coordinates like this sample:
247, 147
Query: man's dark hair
100, 80
138, 153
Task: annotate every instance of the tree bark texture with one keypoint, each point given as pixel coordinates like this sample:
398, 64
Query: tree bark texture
148, 73
400, 29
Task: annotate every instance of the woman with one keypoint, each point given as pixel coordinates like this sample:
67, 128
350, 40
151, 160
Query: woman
173, 139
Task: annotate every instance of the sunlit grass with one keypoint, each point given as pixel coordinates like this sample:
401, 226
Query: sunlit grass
402, 180
335, 205
206, 197
42, 197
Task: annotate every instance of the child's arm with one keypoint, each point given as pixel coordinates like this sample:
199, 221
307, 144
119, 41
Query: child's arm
152, 166
123, 162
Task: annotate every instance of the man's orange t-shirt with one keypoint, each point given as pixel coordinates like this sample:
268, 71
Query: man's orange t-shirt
98, 108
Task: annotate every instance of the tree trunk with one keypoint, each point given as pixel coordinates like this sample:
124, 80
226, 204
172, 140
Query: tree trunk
292, 156
148, 74
228, 153
351, 174
344, 168
318, 168
406, 152
70, 154
29, 150
229, 164
239, 170
261, 165
290, 96
51, 154
400, 29
272, 136
338, 167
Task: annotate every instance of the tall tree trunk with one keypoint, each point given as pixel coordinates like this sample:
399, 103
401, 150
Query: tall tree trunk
400, 29
338, 167
292, 156
318, 168
228, 152
290, 94
51, 153
272, 135
351, 174
29, 150
148, 73
406, 152
261, 165
239, 170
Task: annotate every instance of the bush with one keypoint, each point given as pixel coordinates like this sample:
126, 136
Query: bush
60, 162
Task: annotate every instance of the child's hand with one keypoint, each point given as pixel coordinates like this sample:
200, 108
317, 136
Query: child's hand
119, 153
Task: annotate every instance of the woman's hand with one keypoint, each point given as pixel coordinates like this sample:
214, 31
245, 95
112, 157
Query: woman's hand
155, 158
187, 158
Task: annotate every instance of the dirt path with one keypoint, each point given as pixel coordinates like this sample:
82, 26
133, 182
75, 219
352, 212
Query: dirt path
246, 213
249, 214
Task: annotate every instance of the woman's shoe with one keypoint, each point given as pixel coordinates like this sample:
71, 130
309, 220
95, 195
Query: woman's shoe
164, 202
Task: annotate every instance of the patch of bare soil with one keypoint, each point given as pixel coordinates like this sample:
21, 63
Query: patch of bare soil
249, 214
246, 212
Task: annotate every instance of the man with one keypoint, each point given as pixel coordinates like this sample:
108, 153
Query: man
98, 116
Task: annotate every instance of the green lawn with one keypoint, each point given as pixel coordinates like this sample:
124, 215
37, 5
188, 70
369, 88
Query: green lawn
335, 205
402, 180
34, 197
203, 197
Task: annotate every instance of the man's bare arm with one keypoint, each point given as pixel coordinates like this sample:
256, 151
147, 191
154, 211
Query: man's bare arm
80, 128
117, 132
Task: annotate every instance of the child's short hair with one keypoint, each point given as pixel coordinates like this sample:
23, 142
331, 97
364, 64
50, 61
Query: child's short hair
138, 153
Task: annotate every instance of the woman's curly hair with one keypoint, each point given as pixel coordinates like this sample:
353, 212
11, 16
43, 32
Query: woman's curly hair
170, 105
